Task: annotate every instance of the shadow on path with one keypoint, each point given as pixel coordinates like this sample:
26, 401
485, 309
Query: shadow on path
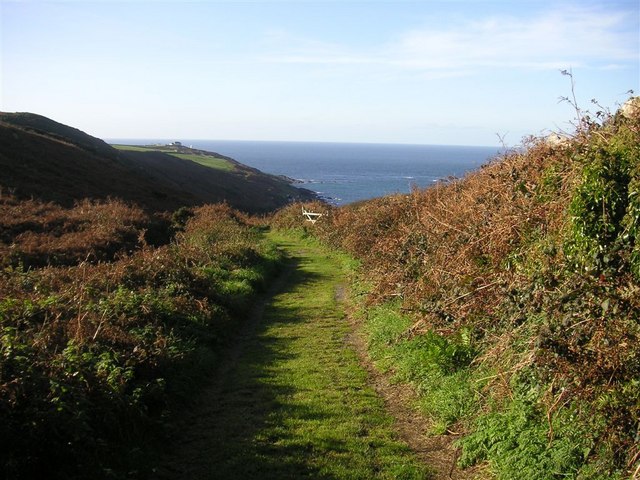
291, 400
232, 431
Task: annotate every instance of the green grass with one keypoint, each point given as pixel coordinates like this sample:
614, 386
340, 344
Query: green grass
206, 160
435, 365
297, 403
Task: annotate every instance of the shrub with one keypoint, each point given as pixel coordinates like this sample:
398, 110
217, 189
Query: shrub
94, 354
535, 258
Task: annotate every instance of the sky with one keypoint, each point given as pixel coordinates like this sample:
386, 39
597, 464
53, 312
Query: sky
456, 72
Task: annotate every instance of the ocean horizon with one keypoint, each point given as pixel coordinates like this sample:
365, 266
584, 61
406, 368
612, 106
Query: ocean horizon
343, 173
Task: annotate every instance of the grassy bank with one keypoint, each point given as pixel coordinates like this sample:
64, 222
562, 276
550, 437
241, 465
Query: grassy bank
509, 299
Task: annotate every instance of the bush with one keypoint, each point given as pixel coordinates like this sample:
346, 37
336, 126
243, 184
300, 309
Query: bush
530, 265
95, 354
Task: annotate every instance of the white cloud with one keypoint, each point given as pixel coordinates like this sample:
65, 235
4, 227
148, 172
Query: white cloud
549, 41
569, 37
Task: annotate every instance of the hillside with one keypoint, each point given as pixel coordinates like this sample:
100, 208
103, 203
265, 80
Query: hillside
510, 300
215, 178
46, 160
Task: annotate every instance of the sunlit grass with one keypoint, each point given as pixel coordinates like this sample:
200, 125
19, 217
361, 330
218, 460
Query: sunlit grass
298, 404
210, 161
206, 160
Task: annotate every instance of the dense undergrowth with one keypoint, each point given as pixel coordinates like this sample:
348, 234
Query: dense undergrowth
107, 319
511, 299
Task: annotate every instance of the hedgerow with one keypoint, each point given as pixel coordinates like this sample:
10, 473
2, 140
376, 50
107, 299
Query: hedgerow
534, 261
96, 350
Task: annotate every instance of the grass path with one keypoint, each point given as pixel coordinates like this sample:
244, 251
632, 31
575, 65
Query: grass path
292, 400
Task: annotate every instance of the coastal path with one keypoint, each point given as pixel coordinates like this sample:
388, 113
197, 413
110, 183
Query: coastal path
291, 398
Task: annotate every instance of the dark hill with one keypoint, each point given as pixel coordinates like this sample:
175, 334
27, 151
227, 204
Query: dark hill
32, 122
243, 187
49, 168
44, 159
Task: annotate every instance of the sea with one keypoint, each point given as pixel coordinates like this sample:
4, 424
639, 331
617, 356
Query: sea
343, 173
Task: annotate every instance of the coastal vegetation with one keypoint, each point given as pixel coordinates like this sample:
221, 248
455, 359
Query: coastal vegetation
508, 299
102, 333
293, 401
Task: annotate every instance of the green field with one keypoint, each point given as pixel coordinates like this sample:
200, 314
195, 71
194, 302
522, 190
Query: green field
206, 160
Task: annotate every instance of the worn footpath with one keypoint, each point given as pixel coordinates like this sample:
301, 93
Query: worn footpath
292, 398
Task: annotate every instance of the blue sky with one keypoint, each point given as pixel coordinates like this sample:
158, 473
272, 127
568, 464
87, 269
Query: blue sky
429, 72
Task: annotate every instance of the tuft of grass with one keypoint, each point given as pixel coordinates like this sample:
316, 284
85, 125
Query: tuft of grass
434, 364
